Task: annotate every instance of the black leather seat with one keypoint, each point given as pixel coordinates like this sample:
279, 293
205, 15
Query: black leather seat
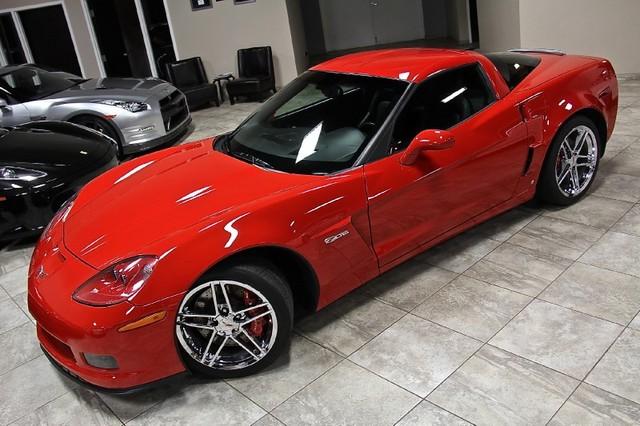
257, 76
189, 76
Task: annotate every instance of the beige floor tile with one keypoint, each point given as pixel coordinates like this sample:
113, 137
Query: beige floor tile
11, 316
616, 251
459, 253
15, 282
630, 222
19, 345
416, 354
498, 388
619, 370
557, 237
594, 211
347, 395
617, 187
503, 227
472, 307
519, 269
592, 406
565, 340
428, 414
306, 361
349, 323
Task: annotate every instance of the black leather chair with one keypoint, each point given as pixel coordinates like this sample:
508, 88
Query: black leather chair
189, 76
257, 77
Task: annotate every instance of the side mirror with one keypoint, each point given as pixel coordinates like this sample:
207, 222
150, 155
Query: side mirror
427, 140
3, 103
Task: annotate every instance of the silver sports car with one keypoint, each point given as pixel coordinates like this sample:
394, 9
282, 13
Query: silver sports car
139, 114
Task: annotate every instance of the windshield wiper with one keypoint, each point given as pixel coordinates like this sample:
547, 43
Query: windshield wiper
252, 159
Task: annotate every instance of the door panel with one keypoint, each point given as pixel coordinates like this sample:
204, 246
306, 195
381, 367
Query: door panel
347, 24
411, 205
397, 20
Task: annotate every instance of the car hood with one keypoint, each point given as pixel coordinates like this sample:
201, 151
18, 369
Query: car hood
136, 89
122, 213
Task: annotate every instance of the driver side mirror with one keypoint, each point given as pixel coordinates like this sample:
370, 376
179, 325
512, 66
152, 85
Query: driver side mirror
427, 140
3, 104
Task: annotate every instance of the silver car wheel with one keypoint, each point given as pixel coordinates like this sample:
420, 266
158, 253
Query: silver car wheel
577, 161
226, 325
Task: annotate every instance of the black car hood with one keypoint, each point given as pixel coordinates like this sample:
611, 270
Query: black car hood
52, 147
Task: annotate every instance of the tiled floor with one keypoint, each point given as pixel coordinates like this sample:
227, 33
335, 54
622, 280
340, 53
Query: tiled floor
531, 318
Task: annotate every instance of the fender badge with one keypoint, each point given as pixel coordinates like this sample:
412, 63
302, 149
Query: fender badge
334, 238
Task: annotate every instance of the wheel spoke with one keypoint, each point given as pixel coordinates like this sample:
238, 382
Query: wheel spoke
192, 325
580, 141
215, 298
206, 350
262, 305
245, 348
217, 354
197, 316
575, 179
250, 320
564, 175
252, 340
226, 297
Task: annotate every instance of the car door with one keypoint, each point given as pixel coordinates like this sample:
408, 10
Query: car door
13, 114
411, 205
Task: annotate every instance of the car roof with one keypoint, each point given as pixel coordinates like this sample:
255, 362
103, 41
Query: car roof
412, 64
10, 68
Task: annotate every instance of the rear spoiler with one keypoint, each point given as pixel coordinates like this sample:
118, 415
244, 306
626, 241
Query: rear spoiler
548, 51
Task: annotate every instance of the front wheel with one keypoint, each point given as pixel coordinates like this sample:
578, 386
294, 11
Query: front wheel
571, 164
100, 125
235, 321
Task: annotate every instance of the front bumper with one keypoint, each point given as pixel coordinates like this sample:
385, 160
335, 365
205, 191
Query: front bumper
68, 330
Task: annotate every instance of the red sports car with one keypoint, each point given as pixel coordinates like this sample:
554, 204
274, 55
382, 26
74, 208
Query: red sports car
198, 257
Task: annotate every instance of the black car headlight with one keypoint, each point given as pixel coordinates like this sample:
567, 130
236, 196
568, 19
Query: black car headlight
12, 173
131, 106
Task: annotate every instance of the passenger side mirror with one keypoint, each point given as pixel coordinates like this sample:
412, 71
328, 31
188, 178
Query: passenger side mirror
3, 104
427, 140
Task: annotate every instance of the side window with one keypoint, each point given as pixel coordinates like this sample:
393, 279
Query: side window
443, 101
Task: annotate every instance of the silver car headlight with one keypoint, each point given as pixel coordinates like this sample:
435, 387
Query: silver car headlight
131, 106
20, 173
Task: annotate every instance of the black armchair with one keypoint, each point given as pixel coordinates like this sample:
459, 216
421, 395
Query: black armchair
257, 77
189, 76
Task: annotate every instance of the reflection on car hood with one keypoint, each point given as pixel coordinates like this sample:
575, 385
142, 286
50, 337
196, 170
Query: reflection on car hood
125, 210
118, 88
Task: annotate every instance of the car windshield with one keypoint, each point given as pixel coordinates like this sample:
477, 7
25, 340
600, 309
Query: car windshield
318, 124
28, 84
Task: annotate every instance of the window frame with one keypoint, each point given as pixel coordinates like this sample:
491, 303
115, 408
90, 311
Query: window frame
380, 146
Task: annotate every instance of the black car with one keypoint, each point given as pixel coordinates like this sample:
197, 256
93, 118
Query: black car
43, 164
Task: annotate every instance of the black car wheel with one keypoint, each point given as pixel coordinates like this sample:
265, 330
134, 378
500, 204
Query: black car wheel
235, 321
572, 163
101, 125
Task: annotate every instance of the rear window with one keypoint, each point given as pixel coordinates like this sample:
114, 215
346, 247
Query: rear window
514, 67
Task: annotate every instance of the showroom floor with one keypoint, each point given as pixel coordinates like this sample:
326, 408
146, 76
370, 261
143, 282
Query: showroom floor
524, 320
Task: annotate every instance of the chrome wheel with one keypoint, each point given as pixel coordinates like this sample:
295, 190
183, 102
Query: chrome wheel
577, 161
226, 325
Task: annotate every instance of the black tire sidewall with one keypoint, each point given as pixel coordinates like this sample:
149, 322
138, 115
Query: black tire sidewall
112, 133
264, 278
548, 190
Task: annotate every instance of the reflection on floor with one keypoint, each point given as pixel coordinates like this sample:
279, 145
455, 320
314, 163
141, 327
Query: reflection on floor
529, 318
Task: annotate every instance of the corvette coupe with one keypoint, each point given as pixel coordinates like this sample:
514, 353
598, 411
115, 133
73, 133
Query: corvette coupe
42, 165
199, 257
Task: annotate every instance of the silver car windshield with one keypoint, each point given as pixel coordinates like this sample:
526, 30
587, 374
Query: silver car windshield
318, 124
30, 83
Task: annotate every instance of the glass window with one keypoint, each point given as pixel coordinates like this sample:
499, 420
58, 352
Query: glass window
514, 67
442, 102
29, 83
318, 124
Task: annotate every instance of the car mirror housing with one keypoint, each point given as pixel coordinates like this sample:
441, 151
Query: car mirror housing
427, 140
3, 103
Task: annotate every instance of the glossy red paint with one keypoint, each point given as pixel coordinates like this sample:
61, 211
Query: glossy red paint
194, 207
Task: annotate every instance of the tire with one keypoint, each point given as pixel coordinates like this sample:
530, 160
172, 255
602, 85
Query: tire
224, 349
100, 125
556, 184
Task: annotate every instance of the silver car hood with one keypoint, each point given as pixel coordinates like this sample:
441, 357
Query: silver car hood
133, 89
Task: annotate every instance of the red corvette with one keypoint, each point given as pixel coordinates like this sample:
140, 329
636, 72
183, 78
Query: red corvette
198, 257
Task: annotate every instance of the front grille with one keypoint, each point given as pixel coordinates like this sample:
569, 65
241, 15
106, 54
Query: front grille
174, 110
60, 348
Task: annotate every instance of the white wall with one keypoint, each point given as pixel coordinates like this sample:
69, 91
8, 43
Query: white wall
606, 28
298, 37
499, 24
78, 28
217, 33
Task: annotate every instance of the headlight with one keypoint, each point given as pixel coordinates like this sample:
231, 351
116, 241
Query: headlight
117, 283
131, 106
20, 173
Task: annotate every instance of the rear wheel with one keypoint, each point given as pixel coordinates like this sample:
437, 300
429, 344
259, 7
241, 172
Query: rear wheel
235, 321
571, 164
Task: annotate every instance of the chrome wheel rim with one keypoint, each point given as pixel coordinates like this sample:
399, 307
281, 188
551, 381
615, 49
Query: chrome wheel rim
577, 161
226, 325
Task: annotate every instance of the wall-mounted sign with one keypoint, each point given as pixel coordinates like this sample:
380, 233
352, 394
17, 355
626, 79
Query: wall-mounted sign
200, 4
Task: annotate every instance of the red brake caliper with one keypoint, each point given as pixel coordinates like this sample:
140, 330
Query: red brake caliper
256, 328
